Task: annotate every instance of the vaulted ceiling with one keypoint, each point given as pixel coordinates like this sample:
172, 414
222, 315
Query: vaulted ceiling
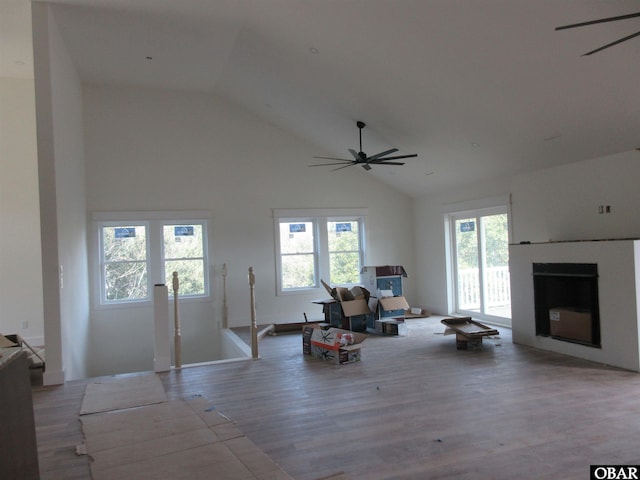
477, 88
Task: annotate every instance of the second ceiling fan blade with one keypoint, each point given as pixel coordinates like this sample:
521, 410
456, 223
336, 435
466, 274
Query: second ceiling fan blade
389, 163
340, 168
398, 157
335, 158
629, 37
601, 20
347, 162
357, 156
382, 154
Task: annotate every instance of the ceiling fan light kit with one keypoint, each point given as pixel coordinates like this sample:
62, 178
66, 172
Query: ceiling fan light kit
361, 158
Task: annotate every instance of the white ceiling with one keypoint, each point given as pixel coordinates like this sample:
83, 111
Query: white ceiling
477, 88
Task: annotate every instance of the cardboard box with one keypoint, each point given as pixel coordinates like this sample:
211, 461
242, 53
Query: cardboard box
386, 277
343, 294
349, 309
570, 323
417, 312
393, 303
355, 307
353, 315
348, 354
392, 326
7, 342
391, 307
335, 345
467, 343
368, 275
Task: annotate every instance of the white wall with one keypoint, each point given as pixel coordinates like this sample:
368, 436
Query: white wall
62, 201
166, 150
21, 278
562, 203
558, 203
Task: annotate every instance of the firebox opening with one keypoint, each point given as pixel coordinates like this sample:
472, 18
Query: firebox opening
566, 302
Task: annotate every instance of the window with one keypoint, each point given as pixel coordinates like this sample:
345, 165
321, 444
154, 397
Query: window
137, 250
344, 251
298, 254
318, 244
183, 252
124, 262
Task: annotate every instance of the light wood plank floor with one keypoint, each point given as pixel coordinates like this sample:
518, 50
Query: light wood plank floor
414, 408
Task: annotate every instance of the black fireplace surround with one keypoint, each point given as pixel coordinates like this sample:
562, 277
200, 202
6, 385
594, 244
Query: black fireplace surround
573, 286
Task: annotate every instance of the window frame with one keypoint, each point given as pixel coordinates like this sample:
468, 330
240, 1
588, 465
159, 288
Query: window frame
102, 264
319, 218
154, 223
471, 209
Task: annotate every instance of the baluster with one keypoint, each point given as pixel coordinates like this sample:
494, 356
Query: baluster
254, 324
177, 338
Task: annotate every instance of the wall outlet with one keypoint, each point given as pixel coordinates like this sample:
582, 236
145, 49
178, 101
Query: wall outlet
25, 325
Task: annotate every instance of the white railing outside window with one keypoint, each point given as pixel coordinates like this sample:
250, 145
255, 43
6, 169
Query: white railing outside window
497, 288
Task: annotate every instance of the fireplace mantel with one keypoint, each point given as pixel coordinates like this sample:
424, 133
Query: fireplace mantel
619, 294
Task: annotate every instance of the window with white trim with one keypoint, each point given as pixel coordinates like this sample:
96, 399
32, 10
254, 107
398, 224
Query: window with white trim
124, 262
183, 252
318, 244
141, 250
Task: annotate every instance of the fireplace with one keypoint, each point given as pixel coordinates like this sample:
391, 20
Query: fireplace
566, 302
609, 288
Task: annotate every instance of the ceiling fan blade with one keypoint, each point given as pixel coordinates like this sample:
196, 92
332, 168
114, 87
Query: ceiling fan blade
382, 154
340, 168
366, 166
336, 163
611, 44
398, 157
389, 163
334, 158
357, 156
602, 20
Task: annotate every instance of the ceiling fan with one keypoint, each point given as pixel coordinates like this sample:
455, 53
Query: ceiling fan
604, 20
361, 158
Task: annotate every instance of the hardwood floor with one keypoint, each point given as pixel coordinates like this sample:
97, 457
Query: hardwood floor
414, 408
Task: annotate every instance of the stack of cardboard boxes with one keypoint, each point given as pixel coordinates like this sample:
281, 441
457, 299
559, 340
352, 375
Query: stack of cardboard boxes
378, 306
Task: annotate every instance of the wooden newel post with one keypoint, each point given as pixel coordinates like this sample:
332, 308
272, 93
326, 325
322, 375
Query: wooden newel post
254, 325
177, 339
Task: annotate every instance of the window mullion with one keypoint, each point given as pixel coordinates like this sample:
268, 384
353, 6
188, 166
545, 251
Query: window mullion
322, 251
482, 260
156, 254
